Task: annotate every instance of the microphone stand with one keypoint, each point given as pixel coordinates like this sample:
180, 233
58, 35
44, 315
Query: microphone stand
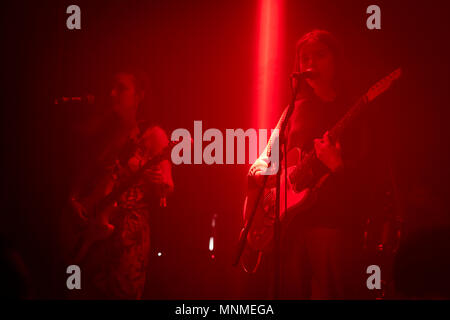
295, 86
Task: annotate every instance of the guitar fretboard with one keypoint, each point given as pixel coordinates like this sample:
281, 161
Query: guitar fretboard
336, 131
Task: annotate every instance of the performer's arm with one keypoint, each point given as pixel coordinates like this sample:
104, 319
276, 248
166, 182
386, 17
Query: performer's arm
263, 161
160, 175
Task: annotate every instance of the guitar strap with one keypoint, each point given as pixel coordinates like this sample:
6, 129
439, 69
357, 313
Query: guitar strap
275, 134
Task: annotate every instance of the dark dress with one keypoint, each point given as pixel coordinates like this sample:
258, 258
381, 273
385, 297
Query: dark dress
321, 246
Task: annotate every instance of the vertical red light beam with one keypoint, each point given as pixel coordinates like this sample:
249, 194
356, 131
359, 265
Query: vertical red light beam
268, 61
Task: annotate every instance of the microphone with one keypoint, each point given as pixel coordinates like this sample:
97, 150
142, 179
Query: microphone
88, 99
307, 74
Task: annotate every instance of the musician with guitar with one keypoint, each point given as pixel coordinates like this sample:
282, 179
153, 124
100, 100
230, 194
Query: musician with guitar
322, 220
113, 243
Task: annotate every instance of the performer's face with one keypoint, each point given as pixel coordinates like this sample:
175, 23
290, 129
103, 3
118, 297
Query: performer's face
125, 99
317, 56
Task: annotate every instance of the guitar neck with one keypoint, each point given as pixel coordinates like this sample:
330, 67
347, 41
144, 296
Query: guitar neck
301, 171
355, 111
308, 160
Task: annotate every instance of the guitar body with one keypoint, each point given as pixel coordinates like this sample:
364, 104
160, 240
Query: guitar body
79, 233
261, 233
98, 229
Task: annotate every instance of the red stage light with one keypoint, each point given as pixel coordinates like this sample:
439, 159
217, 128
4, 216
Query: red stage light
268, 59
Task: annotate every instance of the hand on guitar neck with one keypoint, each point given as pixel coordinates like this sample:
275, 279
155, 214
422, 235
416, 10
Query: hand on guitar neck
328, 153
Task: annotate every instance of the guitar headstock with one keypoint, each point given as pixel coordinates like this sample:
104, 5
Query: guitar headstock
382, 85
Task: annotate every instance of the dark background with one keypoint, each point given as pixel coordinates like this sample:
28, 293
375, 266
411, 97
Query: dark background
200, 56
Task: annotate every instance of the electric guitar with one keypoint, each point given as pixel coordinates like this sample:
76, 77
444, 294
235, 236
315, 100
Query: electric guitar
302, 185
98, 227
